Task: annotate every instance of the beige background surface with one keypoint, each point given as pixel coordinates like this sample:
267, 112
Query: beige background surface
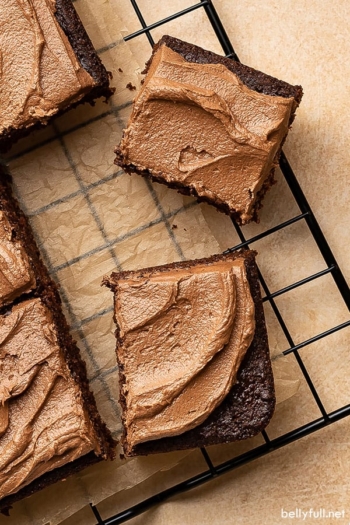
303, 43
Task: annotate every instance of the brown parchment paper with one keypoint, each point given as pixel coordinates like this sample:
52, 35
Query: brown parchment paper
90, 218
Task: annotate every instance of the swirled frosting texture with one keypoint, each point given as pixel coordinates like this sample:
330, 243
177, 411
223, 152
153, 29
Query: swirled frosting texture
199, 125
39, 72
42, 423
183, 334
16, 275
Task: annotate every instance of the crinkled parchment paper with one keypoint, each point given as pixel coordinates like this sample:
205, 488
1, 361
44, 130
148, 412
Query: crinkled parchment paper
90, 218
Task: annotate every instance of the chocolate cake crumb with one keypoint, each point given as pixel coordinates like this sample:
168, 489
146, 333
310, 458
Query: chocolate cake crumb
130, 86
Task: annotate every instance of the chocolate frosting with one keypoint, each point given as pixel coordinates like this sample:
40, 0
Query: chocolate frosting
199, 125
42, 420
16, 274
39, 72
184, 333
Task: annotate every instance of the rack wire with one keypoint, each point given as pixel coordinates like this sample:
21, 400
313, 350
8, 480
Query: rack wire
307, 216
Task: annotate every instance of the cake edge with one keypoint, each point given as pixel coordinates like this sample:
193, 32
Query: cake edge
47, 479
251, 77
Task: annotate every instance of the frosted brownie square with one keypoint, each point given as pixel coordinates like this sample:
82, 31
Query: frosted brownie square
209, 127
193, 354
48, 65
49, 423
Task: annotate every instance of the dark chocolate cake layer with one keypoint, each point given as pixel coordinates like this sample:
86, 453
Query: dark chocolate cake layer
46, 290
70, 23
249, 405
252, 79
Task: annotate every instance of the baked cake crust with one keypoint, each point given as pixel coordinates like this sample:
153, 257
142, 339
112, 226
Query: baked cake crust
249, 406
71, 24
254, 80
46, 290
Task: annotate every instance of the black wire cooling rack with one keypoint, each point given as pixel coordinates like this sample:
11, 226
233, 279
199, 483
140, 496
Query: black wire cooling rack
306, 215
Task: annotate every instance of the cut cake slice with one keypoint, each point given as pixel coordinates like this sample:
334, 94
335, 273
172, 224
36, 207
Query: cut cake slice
193, 354
48, 65
208, 126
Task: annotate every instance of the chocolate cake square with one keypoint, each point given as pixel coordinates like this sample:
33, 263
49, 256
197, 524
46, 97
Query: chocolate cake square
49, 423
48, 65
209, 127
193, 354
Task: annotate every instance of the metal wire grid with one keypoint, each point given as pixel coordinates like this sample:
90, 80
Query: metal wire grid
332, 268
